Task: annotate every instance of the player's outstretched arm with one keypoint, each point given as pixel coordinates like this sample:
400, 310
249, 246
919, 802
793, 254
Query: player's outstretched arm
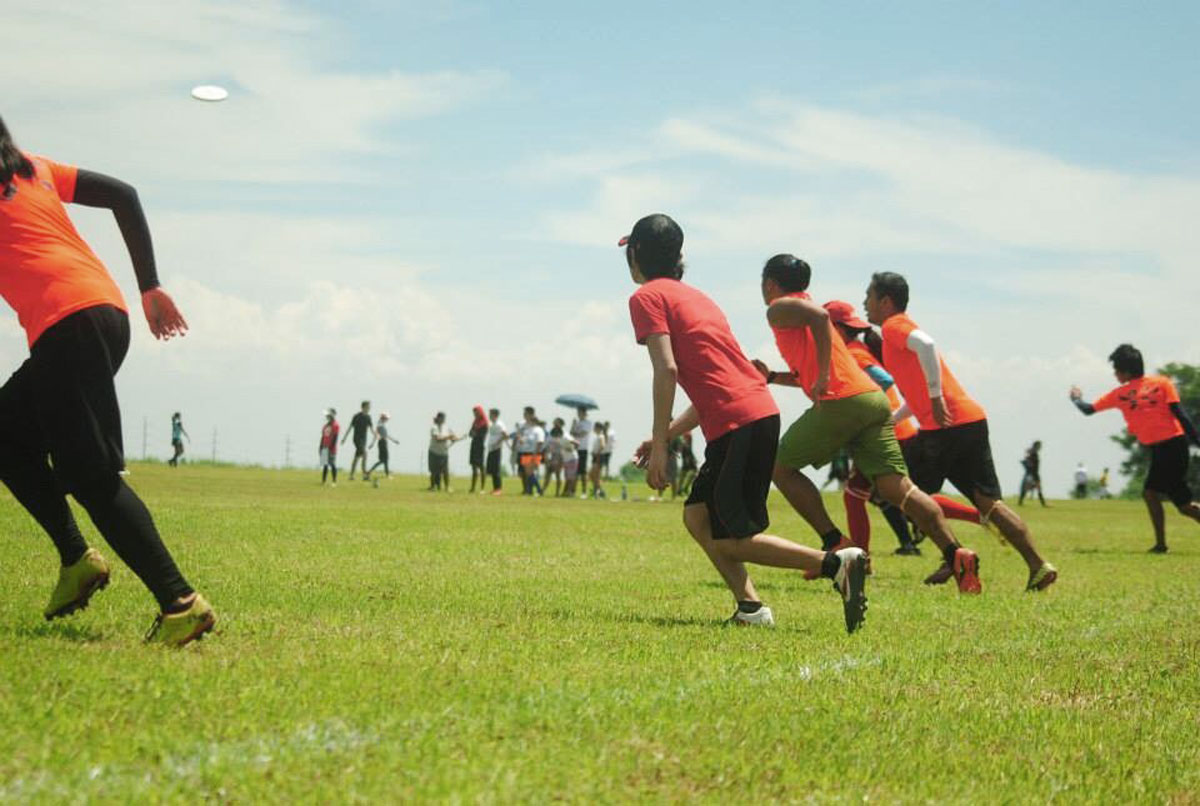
1080, 403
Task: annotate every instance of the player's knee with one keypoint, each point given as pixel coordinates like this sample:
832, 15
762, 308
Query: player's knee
94, 490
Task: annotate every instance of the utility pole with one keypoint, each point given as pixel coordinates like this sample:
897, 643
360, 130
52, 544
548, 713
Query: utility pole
214, 445
287, 451
145, 433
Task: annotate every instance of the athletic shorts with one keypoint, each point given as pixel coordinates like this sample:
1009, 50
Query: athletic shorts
961, 454
735, 479
862, 424
583, 462
493, 462
62, 401
439, 463
360, 448
1168, 470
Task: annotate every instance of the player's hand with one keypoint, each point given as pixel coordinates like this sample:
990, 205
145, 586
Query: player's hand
656, 468
941, 413
164, 318
762, 368
819, 388
641, 456
1076, 393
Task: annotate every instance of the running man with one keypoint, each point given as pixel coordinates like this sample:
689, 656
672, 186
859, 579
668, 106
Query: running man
178, 432
360, 426
690, 343
849, 412
953, 442
61, 403
1153, 414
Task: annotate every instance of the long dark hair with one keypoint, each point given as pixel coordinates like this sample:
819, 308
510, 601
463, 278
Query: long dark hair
12, 161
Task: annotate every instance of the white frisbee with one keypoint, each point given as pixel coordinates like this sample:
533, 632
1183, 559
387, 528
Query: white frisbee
209, 92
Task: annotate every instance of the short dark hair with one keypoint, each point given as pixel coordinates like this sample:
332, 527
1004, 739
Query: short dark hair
1127, 360
792, 273
494, 412
366, 403
893, 286
658, 243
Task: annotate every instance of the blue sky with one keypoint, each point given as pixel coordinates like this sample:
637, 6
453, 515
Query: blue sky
418, 203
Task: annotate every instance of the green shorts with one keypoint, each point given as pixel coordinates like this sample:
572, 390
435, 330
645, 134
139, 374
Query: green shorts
861, 424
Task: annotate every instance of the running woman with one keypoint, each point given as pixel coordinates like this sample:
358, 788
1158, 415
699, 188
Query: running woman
61, 403
360, 426
383, 438
849, 412
327, 449
690, 343
178, 432
953, 442
1153, 414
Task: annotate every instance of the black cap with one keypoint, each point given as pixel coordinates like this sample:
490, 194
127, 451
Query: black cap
658, 231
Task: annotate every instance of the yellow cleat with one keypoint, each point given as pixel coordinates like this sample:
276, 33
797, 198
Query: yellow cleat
177, 629
76, 584
1042, 578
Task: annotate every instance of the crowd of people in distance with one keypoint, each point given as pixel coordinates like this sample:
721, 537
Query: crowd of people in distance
360, 429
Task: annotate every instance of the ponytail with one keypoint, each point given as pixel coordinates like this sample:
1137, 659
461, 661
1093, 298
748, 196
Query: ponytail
12, 161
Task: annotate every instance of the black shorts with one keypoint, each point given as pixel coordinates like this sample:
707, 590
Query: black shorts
1168, 470
360, 448
736, 477
961, 454
439, 463
62, 400
493, 462
583, 465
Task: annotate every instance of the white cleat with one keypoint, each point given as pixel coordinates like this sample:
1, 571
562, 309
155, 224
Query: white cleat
763, 617
850, 582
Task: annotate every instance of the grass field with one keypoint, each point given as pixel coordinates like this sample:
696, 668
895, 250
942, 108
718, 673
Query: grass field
390, 644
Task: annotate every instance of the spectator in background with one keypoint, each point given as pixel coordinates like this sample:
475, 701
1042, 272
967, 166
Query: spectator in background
440, 440
1104, 493
329, 445
178, 432
496, 437
381, 436
581, 432
687, 463
554, 457
570, 454
1081, 479
478, 435
531, 441
1033, 476
360, 426
610, 446
599, 460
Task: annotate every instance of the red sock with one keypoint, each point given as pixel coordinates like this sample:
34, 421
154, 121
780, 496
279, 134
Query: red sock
956, 511
857, 522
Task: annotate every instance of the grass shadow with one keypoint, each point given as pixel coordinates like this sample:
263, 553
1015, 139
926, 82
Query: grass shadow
58, 629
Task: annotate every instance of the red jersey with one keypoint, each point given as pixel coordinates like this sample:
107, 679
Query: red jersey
846, 378
726, 389
904, 366
1146, 404
329, 436
47, 272
906, 428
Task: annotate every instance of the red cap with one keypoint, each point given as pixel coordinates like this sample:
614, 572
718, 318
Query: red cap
842, 313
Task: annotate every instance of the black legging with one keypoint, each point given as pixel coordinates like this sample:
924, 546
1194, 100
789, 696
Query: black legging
493, 467
383, 460
61, 403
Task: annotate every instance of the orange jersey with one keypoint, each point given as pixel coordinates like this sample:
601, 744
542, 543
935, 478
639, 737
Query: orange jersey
905, 367
47, 272
796, 346
906, 428
1146, 404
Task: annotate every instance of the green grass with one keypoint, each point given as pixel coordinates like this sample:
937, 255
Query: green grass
389, 644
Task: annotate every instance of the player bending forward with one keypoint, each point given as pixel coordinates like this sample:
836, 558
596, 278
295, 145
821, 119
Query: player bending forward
690, 343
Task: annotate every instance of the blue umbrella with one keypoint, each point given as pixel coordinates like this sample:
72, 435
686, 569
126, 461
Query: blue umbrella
576, 401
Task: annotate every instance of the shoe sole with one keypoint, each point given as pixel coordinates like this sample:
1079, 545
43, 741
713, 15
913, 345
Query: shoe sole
854, 600
97, 584
968, 575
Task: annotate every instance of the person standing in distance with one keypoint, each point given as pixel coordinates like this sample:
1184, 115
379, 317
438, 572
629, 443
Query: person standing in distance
61, 403
496, 437
1154, 415
581, 432
360, 426
691, 344
327, 449
178, 432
